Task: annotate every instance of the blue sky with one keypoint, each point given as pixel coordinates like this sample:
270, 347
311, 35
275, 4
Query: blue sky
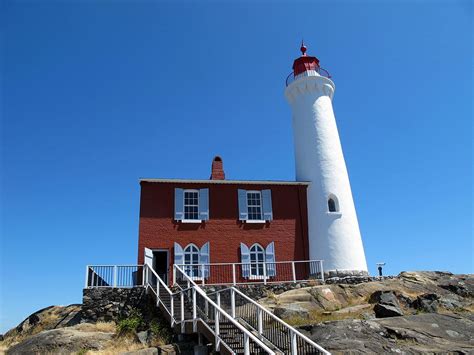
95, 95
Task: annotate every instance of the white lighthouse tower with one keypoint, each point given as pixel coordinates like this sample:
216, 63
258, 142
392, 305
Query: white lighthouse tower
334, 234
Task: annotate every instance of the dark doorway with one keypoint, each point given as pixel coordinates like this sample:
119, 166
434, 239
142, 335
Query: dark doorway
160, 264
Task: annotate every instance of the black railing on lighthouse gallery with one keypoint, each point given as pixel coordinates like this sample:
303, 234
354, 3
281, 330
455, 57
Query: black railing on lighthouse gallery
321, 71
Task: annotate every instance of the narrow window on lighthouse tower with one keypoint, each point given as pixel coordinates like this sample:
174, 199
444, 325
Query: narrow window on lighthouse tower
333, 205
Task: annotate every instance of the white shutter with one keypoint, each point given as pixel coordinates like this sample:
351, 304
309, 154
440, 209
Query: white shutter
270, 259
204, 258
178, 255
178, 204
267, 205
243, 210
204, 204
245, 259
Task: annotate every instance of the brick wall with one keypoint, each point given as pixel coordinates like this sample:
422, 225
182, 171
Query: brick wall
224, 231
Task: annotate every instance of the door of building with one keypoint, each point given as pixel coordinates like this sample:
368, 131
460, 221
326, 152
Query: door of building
161, 264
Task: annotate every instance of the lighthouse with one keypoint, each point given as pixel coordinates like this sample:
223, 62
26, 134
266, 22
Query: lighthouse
334, 234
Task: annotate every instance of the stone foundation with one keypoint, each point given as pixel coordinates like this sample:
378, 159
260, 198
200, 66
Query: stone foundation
112, 304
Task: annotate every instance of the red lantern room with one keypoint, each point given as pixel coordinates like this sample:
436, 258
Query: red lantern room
306, 66
305, 62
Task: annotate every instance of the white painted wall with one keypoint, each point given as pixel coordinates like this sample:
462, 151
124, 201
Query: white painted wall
333, 237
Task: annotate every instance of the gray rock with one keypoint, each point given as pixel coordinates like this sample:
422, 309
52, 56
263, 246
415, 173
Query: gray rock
291, 311
415, 334
62, 341
427, 302
385, 310
462, 285
386, 304
167, 349
51, 317
384, 297
143, 337
451, 303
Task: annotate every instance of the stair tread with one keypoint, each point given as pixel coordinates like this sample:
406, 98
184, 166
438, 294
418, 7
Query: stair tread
228, 332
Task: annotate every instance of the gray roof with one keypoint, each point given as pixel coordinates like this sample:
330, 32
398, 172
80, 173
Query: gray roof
229, 182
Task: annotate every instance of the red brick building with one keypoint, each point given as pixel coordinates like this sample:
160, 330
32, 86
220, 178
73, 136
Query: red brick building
209, 223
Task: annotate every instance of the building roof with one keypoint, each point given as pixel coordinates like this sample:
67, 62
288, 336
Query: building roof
229, 182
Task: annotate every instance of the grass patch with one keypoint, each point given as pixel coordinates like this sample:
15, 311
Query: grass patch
161, 332
100, 326
118, 346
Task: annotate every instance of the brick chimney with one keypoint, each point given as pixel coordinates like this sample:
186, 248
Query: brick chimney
217, 172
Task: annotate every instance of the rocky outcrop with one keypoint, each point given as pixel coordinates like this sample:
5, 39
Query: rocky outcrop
416, 312
415, 334
111, 319
48, 318
63, 341
409, 293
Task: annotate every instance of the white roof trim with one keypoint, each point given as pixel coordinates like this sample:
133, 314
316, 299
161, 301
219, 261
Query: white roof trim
229, 182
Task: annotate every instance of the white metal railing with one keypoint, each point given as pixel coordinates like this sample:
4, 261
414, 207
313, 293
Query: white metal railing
113, 275
164, 296
285, 337
222, 312
212, 314
248, 273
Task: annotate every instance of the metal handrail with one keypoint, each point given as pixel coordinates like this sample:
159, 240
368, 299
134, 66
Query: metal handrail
159, 279
294, 334
112, 275
146, 282
286, 325
121, 265
262, 262
272, 272
247, 333
116, 274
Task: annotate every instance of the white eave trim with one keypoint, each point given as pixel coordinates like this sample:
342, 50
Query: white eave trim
228, 182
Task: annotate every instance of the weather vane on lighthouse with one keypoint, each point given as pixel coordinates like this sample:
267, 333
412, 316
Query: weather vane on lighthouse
303, 48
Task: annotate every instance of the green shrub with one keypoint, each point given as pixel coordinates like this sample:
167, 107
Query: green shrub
130, 324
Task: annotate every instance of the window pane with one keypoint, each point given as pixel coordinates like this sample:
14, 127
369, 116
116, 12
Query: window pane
191, 205
254, 206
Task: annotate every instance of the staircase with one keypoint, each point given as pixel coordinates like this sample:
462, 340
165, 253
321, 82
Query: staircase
235, 323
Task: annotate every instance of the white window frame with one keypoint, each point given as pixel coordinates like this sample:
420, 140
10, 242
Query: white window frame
248, 220
190, 220
257, 264
190, 270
